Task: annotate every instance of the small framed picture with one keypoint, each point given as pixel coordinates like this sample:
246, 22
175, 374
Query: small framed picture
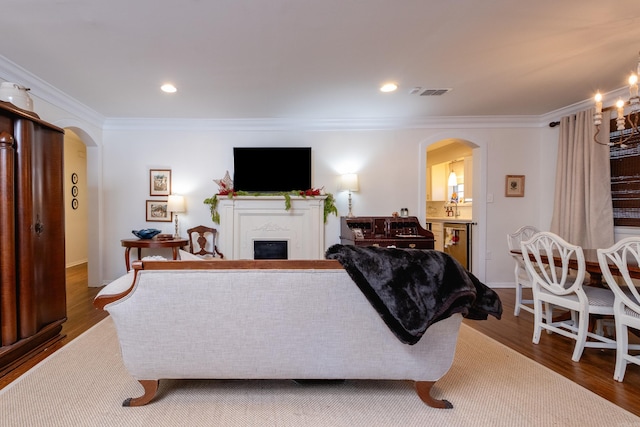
514, 186
159, 182
158, 211
357, 233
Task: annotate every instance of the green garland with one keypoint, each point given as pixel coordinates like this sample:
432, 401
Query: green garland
213, 207
329, 202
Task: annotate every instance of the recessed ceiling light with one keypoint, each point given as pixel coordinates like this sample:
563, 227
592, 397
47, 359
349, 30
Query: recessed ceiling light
169, 88
388, 87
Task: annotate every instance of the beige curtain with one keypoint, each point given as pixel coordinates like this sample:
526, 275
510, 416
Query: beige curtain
582, 210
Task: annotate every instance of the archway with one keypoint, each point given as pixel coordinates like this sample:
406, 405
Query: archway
75, 200
479, 149
92, 200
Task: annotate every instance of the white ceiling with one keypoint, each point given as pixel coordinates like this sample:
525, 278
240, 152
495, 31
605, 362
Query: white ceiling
323, 59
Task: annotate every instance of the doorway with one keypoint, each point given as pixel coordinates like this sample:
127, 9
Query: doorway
75, 200
449, 180
477, 191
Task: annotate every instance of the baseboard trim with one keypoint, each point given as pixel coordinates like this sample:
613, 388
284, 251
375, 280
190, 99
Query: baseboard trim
503, 285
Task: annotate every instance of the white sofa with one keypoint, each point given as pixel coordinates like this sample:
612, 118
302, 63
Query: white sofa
263, 320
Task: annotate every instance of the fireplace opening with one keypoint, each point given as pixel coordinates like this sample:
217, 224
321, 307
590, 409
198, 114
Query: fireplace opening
270, 249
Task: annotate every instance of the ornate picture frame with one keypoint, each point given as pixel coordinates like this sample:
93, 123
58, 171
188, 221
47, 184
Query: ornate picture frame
514, 186
158, 211
159, 182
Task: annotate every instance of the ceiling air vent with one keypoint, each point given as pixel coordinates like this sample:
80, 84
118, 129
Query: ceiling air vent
434, 92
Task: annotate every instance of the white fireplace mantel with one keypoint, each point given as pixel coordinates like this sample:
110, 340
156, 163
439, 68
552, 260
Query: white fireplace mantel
245, 219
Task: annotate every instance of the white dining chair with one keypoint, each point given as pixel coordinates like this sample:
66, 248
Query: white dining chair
626, 307
554, 284
522, 277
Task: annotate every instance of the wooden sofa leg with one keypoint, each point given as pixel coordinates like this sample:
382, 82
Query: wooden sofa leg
150, 389
423, 388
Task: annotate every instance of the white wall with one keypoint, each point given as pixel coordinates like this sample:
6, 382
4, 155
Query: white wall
519, 153
387, 181
387, 163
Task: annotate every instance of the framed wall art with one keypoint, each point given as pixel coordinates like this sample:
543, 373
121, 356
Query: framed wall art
514, 186
158, 211
74, 191
159, 182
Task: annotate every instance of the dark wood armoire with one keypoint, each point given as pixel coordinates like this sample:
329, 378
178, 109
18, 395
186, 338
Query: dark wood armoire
32, 255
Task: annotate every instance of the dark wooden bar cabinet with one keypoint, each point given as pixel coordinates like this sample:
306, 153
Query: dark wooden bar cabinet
32, 255
401, 232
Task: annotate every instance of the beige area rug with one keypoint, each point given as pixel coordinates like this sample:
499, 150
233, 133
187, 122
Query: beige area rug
84, 384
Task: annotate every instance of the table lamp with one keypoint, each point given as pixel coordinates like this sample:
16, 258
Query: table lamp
349, 182
176, 204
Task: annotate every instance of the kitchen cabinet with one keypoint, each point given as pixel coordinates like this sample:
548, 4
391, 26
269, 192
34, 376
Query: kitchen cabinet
439, 182
32, 255
439, 189
438, 235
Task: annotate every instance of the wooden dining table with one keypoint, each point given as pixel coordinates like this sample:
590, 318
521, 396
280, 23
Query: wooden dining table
592, 266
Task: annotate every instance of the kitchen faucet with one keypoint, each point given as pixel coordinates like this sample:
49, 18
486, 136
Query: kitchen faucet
452, 211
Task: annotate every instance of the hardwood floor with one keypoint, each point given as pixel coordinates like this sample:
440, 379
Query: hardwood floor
81, 315
594, 371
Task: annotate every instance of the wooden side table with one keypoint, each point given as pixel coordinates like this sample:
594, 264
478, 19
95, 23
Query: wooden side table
174, 244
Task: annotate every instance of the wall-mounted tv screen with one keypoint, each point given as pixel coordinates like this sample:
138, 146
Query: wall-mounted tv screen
271, 169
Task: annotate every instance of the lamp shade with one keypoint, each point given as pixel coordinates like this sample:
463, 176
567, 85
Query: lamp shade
349, 182
176, 203
453, 179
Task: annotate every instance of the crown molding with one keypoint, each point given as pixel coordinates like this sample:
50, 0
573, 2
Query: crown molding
319, 125
608, 98
11, 72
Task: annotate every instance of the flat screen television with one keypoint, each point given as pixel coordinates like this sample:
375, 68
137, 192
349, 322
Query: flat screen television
271, 169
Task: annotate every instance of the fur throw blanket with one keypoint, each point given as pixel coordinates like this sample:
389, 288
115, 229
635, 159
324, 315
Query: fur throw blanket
412, 288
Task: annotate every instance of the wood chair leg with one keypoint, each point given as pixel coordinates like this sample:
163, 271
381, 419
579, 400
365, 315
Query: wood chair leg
150, 389
423, 388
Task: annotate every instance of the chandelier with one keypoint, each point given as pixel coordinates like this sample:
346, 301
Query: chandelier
622, 136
